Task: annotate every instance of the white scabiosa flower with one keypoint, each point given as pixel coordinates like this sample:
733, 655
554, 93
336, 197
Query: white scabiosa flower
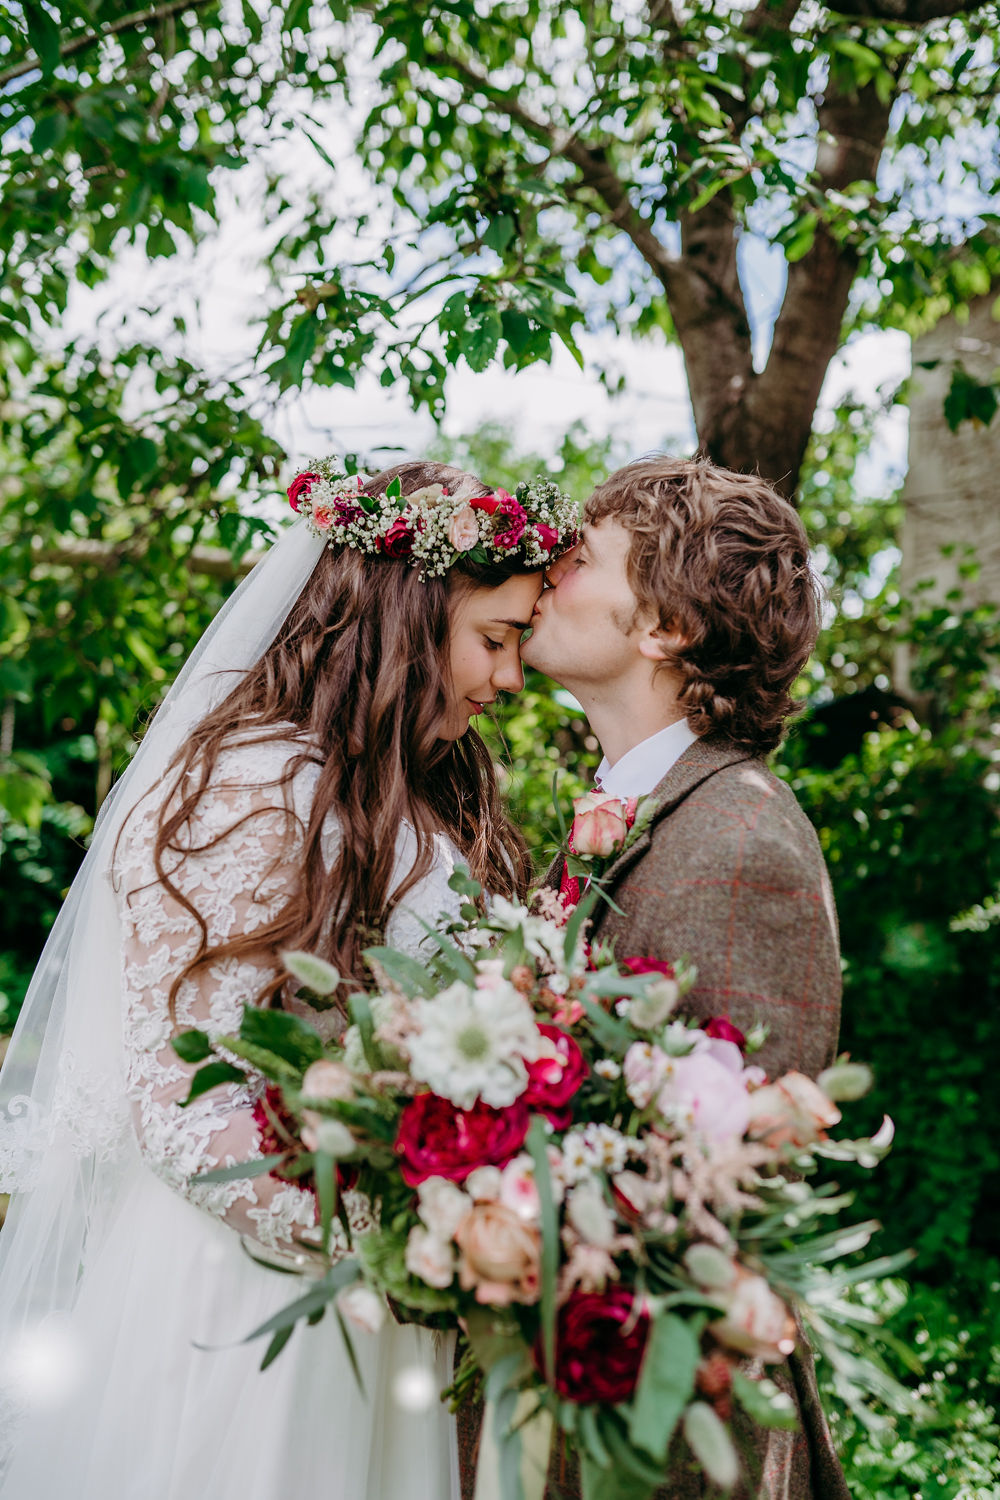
473, 1044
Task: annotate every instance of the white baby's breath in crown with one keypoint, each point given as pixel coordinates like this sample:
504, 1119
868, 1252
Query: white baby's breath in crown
431, 528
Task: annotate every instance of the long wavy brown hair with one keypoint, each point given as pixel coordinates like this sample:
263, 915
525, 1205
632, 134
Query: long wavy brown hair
360, 669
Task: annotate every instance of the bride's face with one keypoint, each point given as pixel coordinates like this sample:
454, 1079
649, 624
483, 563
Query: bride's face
484, 647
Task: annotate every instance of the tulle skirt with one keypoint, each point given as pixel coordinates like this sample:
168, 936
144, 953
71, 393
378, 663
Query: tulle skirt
128, 1406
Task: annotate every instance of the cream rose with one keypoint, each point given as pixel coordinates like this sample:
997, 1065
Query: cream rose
499, 1255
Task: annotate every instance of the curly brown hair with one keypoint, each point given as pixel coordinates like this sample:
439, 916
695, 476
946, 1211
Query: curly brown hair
360, 669
722, 560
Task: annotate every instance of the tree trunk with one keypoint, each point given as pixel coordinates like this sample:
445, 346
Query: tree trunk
951, 512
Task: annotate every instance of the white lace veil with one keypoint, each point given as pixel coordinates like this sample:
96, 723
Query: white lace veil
65, 1136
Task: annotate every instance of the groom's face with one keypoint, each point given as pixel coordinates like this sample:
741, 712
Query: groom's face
584, 626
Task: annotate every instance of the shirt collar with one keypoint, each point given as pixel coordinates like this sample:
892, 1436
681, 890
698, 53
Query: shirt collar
644, 766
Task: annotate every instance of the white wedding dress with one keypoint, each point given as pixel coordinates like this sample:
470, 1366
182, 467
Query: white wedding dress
143, 1391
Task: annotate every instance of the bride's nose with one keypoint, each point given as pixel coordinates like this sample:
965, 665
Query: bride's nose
509, 674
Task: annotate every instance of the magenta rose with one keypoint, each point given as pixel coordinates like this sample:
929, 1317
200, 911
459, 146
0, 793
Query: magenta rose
512, 519
437, 1139
398, 540
300, 485
548, 536
553, 1081
595, 1359
346, 511
724, 1031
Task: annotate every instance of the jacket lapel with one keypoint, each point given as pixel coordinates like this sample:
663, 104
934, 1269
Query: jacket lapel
699, 761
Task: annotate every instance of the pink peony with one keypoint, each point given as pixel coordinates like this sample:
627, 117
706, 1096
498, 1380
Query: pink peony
714, 1094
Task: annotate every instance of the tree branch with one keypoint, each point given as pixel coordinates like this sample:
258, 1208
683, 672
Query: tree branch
112, 28
808, 328
215, 562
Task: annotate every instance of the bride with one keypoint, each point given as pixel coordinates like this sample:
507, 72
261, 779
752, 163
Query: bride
309, 783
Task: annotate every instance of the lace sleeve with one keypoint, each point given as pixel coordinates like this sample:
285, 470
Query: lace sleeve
235, 871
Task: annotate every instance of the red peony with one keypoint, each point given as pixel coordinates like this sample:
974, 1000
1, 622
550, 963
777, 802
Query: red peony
553, 1081
724, 1031
648, 966
398, 540
595, 1359
301, 485
437, 1139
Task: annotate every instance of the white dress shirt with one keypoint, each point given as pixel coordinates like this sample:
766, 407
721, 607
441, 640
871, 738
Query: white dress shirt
640, 769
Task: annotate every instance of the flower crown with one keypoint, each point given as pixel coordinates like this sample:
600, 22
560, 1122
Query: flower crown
430, 527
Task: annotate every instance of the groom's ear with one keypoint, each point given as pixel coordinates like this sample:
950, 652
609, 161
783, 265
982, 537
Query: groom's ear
660, 642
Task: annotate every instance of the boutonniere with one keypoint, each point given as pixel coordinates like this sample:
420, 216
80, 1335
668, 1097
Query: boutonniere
603, 827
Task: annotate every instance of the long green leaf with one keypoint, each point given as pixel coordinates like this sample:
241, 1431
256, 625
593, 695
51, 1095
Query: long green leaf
255, 1168
408, 973
537, 1145
210, 1077
666, 1382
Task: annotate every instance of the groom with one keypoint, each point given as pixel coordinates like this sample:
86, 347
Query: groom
679, 623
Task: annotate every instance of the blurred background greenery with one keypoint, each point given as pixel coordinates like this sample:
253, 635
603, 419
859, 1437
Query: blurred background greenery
440, 189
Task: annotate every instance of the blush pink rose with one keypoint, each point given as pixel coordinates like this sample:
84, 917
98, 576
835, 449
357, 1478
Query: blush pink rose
755, 1321
794, 1111
322, 516
599, 824
499, 1255
463, 530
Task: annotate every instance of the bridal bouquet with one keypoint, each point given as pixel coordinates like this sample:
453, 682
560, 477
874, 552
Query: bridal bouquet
612, 1204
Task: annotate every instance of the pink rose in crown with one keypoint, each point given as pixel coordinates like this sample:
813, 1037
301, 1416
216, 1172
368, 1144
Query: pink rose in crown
548, 536
398, 540
300, 487
512, 518
600, 823
463, 531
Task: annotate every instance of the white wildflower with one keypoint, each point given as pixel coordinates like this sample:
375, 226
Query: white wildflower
474, 1044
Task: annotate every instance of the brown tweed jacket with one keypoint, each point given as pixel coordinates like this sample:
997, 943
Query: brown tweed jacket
729, 874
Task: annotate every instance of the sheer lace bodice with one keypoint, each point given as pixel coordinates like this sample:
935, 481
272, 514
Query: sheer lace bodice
240, 854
